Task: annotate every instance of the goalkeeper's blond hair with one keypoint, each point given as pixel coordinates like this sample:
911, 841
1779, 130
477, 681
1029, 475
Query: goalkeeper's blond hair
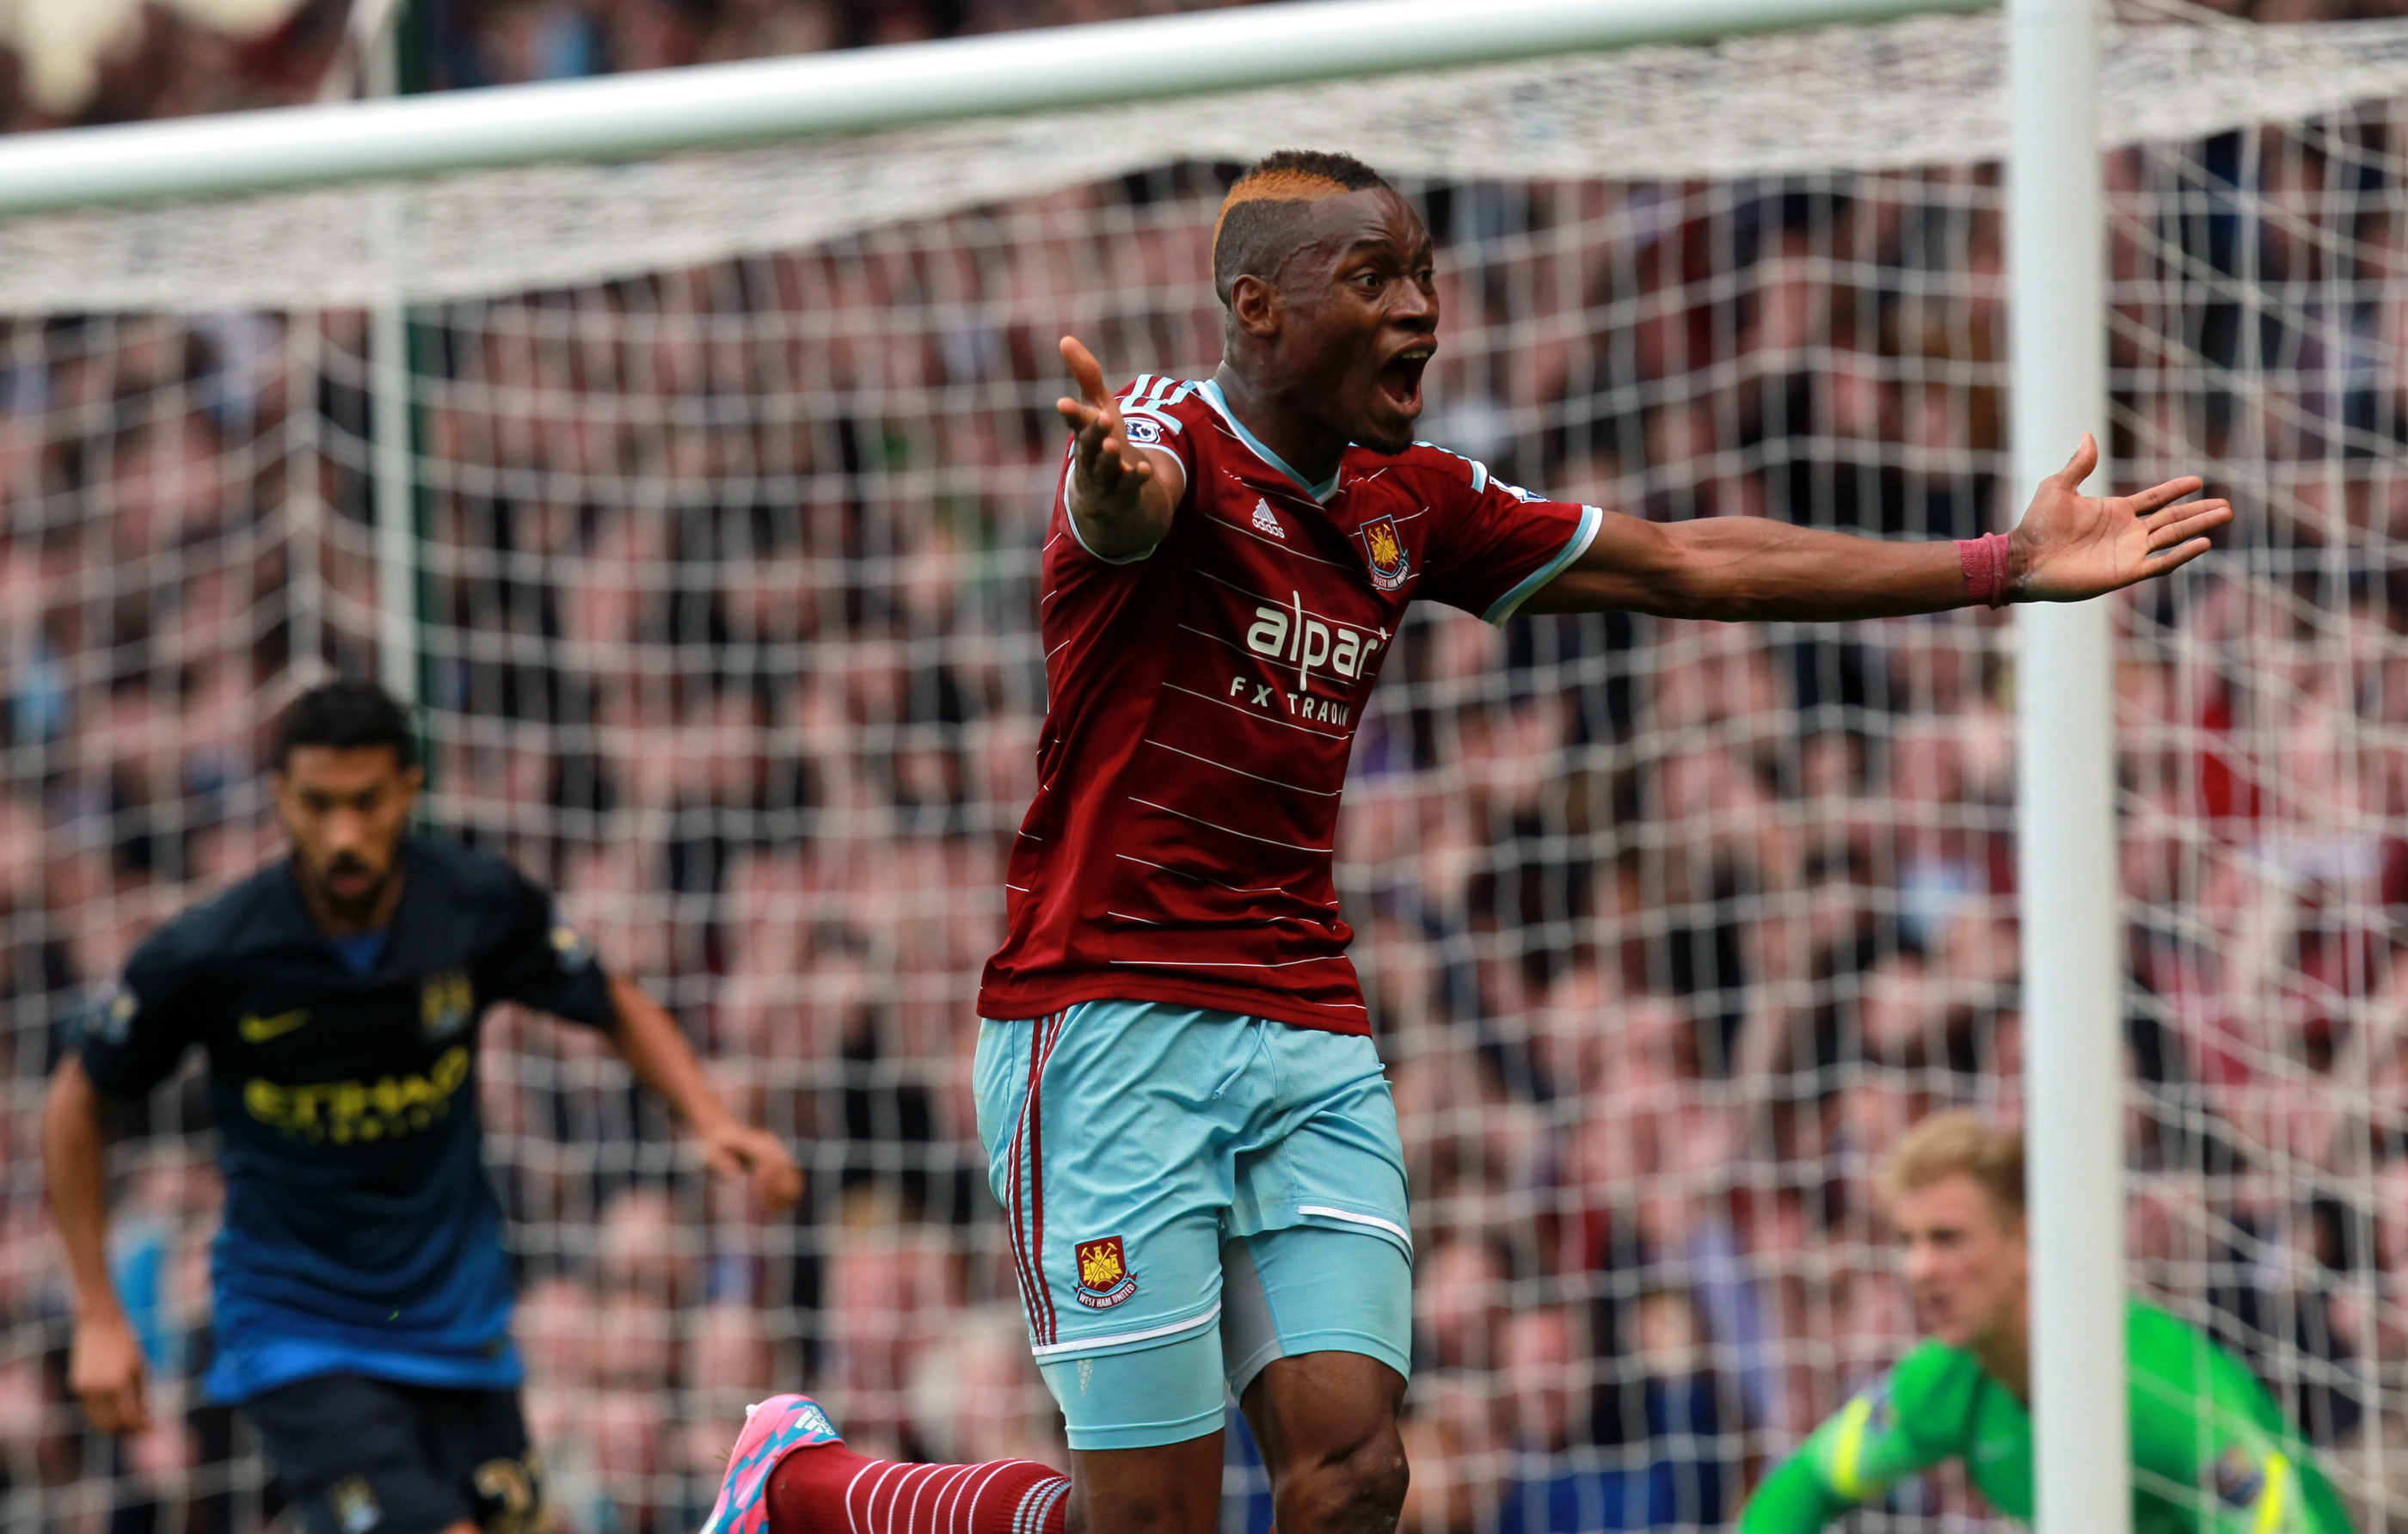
1958, 1142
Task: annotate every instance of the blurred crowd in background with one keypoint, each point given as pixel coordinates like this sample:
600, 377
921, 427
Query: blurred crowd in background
724, 627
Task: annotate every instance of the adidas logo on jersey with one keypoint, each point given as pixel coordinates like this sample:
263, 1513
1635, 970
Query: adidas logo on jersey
1266, 522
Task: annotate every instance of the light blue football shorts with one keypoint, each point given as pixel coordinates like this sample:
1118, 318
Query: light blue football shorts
1191, 1195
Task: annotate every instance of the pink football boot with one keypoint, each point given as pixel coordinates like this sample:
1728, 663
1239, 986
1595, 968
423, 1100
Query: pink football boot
772, 1429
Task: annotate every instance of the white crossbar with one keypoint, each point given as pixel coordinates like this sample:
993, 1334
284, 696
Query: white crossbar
636, 115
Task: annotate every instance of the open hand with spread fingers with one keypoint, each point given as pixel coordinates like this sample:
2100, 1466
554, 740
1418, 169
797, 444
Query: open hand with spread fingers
1119, 493
2070, 547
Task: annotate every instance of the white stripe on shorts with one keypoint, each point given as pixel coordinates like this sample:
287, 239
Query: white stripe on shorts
1354, 1219
1082, 1344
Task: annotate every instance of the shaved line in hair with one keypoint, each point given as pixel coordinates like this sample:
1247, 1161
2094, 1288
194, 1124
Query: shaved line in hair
1261, 219
1278, 186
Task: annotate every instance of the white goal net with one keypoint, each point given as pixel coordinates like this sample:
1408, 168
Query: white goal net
728, 475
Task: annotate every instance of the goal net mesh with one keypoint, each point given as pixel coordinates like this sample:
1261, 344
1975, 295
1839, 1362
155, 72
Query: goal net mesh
724, 586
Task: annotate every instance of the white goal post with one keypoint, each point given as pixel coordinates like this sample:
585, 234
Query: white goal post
2070, 923
2065, 837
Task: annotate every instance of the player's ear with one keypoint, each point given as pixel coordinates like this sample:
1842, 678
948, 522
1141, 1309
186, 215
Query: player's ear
1254, 305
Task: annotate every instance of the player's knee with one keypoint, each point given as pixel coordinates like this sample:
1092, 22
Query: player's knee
1133, 1508
1358, 1491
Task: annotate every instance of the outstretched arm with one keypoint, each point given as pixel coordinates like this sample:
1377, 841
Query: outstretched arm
1120, 496
2069, 547
647, 1038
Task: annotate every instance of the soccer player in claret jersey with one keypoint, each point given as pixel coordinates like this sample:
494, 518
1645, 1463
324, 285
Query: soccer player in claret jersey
361, 1295
2212, 1454
1186, 1121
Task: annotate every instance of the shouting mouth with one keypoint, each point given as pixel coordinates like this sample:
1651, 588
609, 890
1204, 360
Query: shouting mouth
1401, 378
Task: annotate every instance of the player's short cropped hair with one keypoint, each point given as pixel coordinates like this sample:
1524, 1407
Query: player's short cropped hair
1958, 1142
1262, 215
344, 716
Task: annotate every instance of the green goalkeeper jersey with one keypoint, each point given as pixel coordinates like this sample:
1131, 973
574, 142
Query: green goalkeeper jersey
2212, 1452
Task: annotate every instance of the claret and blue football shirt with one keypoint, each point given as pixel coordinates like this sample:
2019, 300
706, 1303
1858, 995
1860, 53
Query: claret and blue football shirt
360, 1233
1201, 701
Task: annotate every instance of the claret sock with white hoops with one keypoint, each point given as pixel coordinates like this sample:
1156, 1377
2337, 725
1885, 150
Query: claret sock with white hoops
791, 1473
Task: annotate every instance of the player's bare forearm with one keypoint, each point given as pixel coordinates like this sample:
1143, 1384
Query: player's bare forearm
648, 1039
1741, 569
105, 1363
2068, 548
1127, 525
75, 1173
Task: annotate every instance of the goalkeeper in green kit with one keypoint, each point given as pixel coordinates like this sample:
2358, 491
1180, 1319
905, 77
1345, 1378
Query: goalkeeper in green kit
2212, 1454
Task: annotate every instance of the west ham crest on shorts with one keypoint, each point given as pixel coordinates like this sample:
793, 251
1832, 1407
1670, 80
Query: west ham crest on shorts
1385, 549
1104, 1278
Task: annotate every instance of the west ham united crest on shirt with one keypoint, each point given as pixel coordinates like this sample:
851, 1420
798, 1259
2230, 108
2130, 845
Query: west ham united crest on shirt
1202, 701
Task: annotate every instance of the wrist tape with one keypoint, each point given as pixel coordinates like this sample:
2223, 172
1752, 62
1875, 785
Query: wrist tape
1985, 563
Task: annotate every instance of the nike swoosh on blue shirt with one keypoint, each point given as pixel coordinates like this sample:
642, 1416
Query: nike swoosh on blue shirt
259, 1030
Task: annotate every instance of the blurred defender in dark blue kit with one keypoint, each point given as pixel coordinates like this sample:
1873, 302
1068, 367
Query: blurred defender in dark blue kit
362, 1294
